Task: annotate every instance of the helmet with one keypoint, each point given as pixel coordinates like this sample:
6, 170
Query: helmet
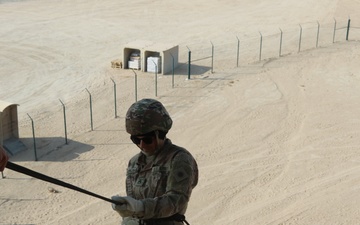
147, 115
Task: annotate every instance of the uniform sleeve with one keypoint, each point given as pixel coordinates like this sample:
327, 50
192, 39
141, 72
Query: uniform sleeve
181, 180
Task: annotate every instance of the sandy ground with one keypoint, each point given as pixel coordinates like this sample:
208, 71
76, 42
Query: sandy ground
277, 141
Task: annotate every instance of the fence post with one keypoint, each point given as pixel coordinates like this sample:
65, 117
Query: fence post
64, 121
114, 98
91, 118
173, 70
33, 132
334, 30
300, 38
189, 62
348, 30
318, 32
238, 52
281, 35
155, 77
135, 85
260, 46
212, 57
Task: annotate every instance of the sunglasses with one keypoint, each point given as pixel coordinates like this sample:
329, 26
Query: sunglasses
147, 139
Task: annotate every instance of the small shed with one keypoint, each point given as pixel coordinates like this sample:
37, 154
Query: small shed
9, 129
164, 56
134, 53
168, 55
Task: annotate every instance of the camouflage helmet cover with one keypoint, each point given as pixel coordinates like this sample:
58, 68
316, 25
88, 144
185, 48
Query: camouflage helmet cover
147, 115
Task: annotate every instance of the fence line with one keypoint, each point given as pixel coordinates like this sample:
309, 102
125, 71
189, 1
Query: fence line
206, 56
252, 49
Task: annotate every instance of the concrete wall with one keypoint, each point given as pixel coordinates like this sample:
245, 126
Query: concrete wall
8, 121
169, 54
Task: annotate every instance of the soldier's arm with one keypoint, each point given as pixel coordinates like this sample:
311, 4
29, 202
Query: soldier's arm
178, 191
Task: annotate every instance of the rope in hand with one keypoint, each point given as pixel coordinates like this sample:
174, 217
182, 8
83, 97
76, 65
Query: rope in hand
21, 169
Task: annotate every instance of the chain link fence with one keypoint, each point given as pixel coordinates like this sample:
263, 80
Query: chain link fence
222, 54
194, 59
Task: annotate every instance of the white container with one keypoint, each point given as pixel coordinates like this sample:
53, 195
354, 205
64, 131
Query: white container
135, 64
153, 64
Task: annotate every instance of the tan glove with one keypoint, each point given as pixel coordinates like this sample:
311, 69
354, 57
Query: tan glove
130, 221
128, 206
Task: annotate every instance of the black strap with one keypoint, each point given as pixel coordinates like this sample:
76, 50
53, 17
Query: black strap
21, 169
179, 218
176, 217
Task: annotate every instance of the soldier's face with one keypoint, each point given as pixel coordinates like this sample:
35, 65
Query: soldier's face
148, 148
148, 143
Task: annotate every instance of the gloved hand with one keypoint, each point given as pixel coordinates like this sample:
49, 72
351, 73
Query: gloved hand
128, 206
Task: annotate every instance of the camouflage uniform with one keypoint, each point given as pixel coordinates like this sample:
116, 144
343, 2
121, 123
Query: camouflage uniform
163, 181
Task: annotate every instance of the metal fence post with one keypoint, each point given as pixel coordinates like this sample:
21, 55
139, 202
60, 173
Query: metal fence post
155, 77
173, 70
64, 121
91, 117
348, 30
318, 32
115, 107
300, 38
238, 52
135, 85
260, 46
189, 62
212, 57
33, 132
281, 35
334, 30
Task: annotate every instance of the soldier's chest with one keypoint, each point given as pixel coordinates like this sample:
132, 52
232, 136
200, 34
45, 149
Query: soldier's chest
149, 180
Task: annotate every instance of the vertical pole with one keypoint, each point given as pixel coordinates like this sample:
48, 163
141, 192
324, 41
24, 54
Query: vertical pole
318, 32
281, 36
212, 57
135, 85
334, 30
115, 107
64, 121
91, 117
300, 38
238, 52
260, 46
348, 30
173, 70
155, 77
33, 132
189, 63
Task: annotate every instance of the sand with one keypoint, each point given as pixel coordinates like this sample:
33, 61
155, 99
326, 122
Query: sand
276, 139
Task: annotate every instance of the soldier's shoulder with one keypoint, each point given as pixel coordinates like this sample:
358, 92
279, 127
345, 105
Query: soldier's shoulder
134, 158
182, 154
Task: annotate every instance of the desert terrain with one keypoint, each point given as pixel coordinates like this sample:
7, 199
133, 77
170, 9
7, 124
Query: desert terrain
276, 138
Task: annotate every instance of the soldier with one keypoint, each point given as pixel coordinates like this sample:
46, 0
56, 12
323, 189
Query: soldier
3, 159
161, 177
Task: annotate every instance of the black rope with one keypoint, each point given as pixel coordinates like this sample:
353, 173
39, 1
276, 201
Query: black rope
24, 170
21, 169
